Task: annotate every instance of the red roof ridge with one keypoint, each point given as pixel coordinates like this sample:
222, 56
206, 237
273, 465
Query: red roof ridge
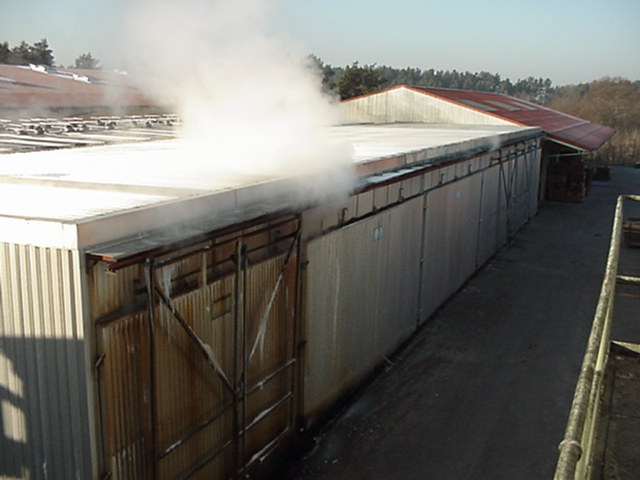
542, 122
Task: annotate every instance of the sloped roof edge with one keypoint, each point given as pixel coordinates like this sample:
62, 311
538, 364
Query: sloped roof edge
560, 127
422, 91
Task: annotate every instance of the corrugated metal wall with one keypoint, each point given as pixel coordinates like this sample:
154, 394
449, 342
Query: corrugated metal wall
362, 294
450, 245
44, 420
520, 175
199, 382
492, 223
369, 284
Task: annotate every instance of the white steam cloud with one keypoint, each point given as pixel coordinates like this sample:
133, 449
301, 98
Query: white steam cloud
249, 101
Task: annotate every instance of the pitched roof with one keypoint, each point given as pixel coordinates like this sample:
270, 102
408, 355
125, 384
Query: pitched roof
561, 127
44, 87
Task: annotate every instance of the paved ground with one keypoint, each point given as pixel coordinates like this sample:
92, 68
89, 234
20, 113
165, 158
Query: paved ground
484, 390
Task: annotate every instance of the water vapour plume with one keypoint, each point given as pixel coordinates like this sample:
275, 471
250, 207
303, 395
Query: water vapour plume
250, 103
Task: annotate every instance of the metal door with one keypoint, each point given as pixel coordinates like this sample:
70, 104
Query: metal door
196, 365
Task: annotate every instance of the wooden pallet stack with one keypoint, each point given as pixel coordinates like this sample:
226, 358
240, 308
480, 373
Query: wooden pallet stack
556, 181
567, 180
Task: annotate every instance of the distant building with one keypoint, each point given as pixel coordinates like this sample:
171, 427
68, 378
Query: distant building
568, 138
38, 90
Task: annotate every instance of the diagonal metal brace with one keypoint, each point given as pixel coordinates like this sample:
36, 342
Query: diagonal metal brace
203, 348
262, 329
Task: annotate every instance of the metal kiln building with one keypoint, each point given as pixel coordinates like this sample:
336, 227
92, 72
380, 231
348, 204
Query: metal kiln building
174, 325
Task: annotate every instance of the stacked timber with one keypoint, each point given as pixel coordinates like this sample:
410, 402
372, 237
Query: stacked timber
557, 181
567, 180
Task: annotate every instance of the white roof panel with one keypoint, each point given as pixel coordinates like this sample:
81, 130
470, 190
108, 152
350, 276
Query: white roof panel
67, 204
141, 182
372, 141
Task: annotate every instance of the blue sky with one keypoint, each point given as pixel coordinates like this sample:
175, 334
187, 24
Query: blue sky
568, 41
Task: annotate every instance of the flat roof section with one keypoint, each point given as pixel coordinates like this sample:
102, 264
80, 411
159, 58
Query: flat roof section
109, 192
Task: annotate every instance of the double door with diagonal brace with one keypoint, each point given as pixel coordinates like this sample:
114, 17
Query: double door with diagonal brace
196, 355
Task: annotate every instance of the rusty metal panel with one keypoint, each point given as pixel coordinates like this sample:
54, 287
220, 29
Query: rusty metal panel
563, 128
450, 244
270, 316
193, 403
198, 382
123, 350
160, 401
44, 413
109, 292
361, 299
124, 423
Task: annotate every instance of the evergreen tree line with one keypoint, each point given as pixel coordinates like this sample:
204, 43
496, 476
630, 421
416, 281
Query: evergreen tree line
40, 54
23, 54
356, 79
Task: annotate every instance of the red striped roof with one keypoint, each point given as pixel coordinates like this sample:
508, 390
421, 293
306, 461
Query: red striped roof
25, 87
561, 127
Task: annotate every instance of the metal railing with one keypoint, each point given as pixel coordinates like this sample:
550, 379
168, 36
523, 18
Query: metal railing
577, 447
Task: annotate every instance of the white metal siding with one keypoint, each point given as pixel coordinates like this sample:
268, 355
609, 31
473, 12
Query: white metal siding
365, 288
449, 251
491, 233
406, 105
362, 290
534, 168
520, 173
44, 417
